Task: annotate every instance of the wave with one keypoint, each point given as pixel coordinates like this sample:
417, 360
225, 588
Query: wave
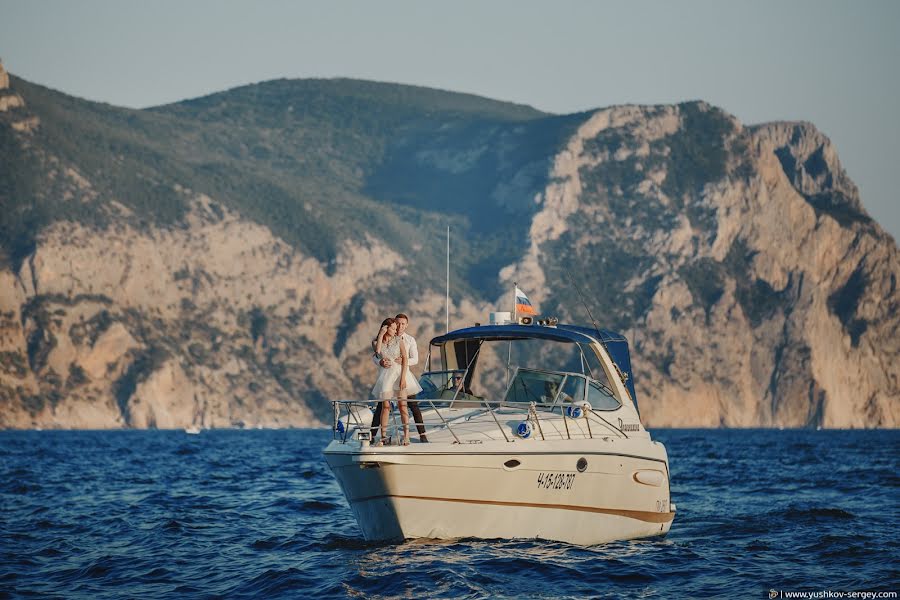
249, 515
806, 514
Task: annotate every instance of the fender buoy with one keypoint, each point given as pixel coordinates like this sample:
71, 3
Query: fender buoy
524, 430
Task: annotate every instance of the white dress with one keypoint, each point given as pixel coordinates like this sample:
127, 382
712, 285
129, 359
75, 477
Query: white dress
388, 383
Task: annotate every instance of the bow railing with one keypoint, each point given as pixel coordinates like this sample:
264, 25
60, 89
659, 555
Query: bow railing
464, 419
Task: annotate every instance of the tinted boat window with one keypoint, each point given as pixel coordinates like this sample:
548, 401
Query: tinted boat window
595, 370
573, 390
534, 386
600, 399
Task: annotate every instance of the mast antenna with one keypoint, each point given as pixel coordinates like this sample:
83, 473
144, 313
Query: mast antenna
581, 297
448, 281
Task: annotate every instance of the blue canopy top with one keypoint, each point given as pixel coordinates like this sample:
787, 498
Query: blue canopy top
615, 343
560, 333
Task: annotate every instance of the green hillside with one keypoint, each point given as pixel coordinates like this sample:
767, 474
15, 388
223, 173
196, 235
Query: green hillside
317, 161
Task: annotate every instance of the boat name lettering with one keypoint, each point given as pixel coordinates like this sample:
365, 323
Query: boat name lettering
623, 426
556, 481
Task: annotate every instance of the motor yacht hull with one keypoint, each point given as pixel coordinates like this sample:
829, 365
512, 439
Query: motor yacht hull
504, 490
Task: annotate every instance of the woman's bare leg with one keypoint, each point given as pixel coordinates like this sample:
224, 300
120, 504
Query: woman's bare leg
385, 410
404, 418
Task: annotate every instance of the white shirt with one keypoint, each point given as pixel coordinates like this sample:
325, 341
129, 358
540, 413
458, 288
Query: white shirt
412, 351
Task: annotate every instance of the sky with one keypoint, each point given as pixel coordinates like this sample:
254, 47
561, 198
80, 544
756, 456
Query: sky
833, 63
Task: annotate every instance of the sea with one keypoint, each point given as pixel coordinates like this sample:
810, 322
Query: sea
257, 514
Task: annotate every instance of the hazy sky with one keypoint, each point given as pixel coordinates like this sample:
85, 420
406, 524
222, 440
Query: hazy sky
836, 64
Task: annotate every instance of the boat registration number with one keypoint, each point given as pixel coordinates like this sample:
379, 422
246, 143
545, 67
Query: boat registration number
555, 481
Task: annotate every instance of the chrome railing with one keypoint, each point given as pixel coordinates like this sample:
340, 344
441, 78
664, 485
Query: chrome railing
458, 416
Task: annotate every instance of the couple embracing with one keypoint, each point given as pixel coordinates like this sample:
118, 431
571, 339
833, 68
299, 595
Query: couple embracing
395, 352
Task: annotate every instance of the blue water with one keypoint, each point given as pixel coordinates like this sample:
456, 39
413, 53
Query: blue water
154, 514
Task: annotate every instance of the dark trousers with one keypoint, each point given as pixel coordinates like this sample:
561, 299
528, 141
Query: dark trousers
417, 417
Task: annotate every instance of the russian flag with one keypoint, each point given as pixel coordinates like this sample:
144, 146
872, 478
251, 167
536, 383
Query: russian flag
523, 304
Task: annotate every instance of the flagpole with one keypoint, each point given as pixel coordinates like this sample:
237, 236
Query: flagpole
515, 306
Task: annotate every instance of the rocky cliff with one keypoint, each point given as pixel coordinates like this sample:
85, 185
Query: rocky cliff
224, 261
758, 294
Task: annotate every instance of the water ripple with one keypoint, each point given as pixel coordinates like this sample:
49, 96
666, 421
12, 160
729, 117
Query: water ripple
257, 514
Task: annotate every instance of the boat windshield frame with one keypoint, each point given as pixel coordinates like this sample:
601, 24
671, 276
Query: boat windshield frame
559, 400
610, 347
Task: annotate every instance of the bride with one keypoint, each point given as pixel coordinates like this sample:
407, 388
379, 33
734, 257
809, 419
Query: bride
394, 381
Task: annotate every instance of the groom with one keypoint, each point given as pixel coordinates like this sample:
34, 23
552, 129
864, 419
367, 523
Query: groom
412, 357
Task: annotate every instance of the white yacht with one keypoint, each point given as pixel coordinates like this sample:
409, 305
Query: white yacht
552, 448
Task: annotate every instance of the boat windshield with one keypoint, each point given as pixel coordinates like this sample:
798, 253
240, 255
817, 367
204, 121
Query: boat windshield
488, 368
556, 388
545, 387
531, 385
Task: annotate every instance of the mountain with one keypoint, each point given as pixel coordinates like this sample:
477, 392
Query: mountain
225, 260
